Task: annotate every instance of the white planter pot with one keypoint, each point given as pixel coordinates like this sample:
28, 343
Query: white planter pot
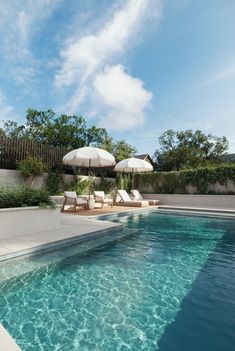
91, 204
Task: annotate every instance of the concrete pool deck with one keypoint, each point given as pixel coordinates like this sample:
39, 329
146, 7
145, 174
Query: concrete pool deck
72, 228
6, 341
107, 210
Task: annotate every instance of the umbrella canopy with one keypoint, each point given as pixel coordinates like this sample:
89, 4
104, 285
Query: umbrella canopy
89, 157
133, 165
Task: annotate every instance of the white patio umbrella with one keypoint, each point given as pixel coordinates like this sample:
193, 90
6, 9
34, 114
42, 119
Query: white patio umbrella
89, 157
133, 165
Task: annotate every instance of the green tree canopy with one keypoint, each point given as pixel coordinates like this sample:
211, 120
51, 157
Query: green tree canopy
2, 133
64, 130
120, 149
188, 149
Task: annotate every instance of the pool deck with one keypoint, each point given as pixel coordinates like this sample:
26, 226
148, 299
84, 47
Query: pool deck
108, 210
6, 341
166, 208
72, 228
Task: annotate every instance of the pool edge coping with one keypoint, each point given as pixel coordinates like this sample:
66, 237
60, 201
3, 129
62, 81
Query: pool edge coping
9, 343
60, 243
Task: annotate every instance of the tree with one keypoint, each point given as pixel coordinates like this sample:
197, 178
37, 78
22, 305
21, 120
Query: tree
108, 144
13, 130
95, 136
2, 133
188, 149
120, 149
123, 150
64, 130
32, 167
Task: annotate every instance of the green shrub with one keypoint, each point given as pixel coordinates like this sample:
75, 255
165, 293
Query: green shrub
22, 196
31, 167
119, 180
105, 185
81, 185
177, 182
123, 181
55, 183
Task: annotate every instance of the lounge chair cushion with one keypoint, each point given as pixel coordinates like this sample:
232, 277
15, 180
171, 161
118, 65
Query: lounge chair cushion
137, 196
125, 200
72, 195
124, 196
99, 194
70, 198
107, 201
100, 197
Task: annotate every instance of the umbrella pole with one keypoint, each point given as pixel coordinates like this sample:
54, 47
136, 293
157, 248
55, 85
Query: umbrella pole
89, 179
132, 179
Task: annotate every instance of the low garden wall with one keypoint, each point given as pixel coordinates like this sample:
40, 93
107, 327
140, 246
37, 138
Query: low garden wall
9, 176
216, 202
217, 180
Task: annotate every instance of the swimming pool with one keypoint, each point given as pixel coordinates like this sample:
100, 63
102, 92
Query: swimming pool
167, 282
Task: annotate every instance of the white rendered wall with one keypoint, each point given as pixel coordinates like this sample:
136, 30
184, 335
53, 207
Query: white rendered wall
202, 201
10, 176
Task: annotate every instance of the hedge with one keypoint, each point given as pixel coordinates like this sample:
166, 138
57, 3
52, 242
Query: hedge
177, 182
23, 196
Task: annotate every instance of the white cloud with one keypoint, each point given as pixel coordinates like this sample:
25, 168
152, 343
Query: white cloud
85, 60
83, 56
6, 111
20, 21
23, 75
222, 74
122, 98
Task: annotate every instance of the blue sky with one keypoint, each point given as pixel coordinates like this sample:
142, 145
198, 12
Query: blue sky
136, 67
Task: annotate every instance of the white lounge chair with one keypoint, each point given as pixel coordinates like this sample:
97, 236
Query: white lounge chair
70, 197
124, 199
103, 199
137, 196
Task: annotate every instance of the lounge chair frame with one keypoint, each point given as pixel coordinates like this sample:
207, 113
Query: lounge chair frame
72, 196
101, 198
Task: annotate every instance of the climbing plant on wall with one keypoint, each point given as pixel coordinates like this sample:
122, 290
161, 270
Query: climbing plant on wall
176, 182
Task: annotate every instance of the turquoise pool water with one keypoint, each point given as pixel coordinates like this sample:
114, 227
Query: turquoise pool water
166, 284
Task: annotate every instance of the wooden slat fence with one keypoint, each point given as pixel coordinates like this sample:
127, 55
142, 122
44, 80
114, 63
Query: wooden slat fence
13, 150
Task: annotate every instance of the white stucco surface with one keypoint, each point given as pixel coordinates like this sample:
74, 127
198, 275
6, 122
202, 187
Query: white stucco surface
71, 228
14, 177
16, 222
199, 201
